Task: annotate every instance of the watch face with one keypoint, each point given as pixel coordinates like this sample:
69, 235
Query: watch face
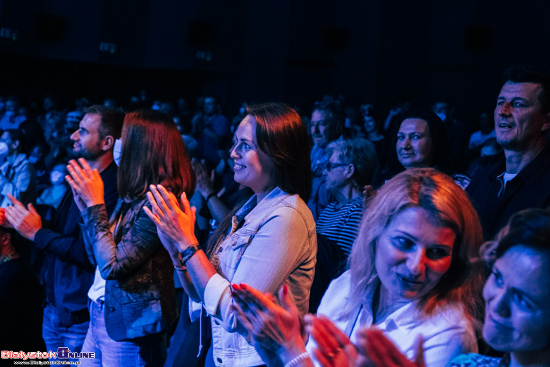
188, 253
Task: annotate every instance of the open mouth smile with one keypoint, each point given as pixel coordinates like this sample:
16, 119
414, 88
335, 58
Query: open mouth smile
238, 167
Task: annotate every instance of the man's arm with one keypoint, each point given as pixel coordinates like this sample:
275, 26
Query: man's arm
27, 222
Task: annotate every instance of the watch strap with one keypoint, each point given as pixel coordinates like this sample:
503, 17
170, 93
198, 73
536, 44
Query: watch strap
188, 253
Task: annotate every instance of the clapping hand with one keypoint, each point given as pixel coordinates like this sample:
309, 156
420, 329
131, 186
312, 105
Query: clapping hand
85, 182
276, 328
334, 349
26, 221
376, 348
204, 181
176, 226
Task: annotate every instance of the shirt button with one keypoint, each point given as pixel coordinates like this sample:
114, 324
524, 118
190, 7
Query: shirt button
221, 249
219, 360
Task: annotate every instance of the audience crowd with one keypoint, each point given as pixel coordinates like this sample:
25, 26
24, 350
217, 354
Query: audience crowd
150, 234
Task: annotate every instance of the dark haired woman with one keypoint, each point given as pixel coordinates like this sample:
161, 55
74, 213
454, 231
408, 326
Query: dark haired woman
132, 297
269, 242
421, 141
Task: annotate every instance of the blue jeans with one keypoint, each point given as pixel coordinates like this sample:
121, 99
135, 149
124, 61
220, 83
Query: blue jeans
146, 351
56, 335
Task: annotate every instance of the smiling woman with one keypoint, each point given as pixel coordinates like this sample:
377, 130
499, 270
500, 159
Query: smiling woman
411, 267
269, 242
517, 293
412, 272
421, 141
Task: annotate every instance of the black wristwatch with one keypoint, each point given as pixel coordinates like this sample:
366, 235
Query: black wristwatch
188, 253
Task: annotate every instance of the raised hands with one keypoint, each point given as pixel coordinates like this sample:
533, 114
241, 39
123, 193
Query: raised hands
375, 347
334, 349
204, 181
272, 325
86, 183
174, 225
274, 328
26, 221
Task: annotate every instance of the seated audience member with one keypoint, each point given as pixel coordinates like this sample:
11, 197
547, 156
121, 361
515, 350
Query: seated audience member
37, 157
34, 134
55, 126
487, 131
110, 103
17, 175
351, 167
456, 132
410, 273
392, 120
20, 300
72, 119
516, 294
490, 153
210, 129
11, 119
81, 104
372, 129
421, 141
521, 179
53, 195
269, 242
49, 105
132, 298
327, 125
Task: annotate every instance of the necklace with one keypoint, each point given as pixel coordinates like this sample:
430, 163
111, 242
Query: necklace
8, 257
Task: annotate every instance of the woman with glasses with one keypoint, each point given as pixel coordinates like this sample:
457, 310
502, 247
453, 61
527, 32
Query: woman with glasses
269, 242
351, 166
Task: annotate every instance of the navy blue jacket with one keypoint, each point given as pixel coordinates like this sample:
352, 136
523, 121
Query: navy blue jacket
529, 189
69, 273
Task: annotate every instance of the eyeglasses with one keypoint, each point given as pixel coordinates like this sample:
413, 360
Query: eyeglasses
331, 165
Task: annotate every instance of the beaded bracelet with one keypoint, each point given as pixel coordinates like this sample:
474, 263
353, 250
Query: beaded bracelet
296, 360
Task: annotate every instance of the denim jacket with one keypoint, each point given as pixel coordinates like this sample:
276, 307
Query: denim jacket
270, 244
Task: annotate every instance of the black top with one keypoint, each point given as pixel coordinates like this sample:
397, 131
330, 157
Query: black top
529, 189
68, 272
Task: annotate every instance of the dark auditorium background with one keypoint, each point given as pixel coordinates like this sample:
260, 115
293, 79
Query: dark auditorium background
287, 50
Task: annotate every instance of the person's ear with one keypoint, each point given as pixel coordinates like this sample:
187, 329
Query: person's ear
15, 144
350, 170
546, 125
5, 239
108, 143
